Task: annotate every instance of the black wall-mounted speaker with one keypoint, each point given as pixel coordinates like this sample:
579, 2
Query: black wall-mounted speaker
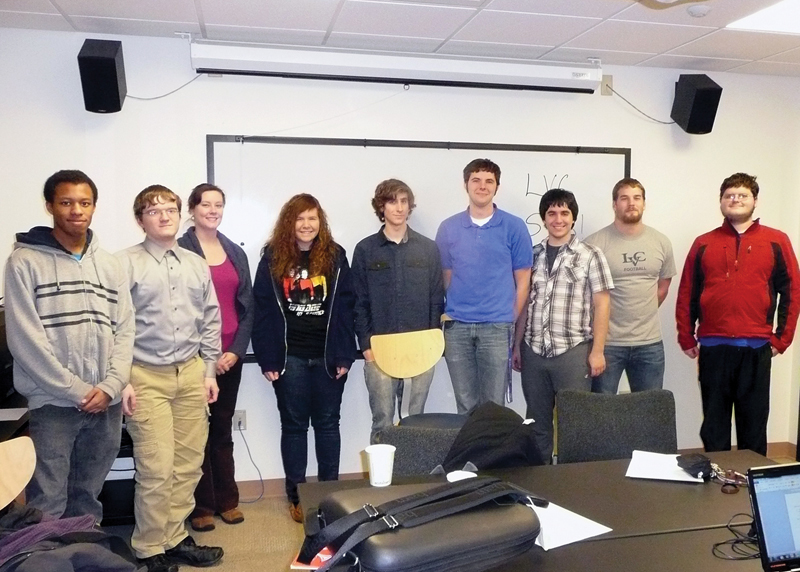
696, 102
102, 75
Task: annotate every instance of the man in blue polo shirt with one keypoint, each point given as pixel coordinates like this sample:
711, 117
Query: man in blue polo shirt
486, 259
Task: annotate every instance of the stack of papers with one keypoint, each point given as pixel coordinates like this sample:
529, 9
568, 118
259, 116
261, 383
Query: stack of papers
658, 466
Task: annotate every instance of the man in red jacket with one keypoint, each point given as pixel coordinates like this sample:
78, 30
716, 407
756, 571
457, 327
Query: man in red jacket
734, 280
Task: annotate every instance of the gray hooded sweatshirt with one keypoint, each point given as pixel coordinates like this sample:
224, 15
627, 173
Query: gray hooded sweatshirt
69, 322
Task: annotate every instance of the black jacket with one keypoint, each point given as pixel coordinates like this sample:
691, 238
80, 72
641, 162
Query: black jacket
398, 286
269, 328
245, 307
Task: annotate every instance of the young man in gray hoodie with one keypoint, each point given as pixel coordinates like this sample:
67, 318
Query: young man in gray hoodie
70, 330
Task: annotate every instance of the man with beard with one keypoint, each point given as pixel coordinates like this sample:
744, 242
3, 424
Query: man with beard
734, 280
642, 267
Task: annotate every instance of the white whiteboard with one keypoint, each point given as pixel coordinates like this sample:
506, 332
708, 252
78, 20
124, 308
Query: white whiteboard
259, 174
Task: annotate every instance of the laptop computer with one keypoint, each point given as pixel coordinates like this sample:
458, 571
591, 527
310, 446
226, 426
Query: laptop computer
775, 499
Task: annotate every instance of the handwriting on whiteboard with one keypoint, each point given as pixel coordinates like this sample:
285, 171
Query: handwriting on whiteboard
534, 220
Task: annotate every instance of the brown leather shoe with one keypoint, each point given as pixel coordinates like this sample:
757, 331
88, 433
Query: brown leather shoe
297, 512
203, 523
233, 516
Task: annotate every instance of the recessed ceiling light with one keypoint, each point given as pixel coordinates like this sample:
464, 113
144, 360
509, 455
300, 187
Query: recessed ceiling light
782, 17
698, 10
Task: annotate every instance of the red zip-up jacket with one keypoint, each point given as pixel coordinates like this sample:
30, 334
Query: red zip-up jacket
732, 284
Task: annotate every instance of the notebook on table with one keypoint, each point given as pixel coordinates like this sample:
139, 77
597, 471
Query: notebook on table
775, 499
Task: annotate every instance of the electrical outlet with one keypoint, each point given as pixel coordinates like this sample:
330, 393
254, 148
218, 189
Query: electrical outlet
239, 420
607, 85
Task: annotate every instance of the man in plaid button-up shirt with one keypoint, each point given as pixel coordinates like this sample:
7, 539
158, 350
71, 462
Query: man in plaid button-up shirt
559, 340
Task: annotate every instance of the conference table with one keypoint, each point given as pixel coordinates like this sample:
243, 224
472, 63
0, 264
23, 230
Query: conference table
656, 525
17, 427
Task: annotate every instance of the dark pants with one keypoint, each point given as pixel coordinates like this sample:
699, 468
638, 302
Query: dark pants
306, 392
542, 379
217, 491
735, 378
74, 452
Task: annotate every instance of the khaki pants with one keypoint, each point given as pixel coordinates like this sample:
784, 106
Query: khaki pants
169, 429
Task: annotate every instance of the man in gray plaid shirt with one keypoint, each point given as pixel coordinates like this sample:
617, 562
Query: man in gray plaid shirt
559, 340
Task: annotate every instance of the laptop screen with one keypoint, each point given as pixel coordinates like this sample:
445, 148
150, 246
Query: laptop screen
775, 499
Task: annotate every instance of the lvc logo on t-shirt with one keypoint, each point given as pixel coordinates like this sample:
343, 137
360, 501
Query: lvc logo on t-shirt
634, 259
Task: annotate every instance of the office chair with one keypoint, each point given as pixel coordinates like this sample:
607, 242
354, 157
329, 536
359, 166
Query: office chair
598, 427
419, 449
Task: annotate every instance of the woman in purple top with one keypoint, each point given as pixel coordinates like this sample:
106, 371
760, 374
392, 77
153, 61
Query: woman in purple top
217, 492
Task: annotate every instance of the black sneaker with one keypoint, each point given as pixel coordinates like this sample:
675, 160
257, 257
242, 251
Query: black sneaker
158, 563
189, 553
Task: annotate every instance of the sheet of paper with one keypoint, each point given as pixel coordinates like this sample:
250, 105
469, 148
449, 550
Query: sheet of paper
645, 465
561, 526
12, 414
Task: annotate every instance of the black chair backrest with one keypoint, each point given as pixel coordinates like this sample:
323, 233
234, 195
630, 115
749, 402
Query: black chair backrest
597, 427
418, 449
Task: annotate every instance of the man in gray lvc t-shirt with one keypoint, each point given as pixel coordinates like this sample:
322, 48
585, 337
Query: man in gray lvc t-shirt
642, 267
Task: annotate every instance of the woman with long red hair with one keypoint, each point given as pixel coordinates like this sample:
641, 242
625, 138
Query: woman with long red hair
303, 336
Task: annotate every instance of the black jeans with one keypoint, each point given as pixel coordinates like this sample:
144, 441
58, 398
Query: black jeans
217, 491
306, 392
735, 378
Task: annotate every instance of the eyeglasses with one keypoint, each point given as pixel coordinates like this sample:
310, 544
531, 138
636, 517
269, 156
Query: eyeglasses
157, 212
741, 197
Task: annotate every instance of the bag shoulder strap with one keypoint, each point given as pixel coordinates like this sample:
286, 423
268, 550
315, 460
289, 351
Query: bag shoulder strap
426, 513
346, 524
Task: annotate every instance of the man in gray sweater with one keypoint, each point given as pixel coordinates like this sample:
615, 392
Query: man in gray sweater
70, 330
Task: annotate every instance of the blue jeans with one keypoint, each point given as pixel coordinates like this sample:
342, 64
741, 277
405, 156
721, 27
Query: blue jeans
478, 359
643, 364
305, 392
382, 390
74, 452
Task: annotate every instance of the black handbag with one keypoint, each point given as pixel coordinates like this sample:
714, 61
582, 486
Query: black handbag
467, 526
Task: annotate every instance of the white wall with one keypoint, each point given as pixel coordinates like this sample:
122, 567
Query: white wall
45, 128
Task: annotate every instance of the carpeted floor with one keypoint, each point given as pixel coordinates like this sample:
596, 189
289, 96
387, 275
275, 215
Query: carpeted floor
266, 541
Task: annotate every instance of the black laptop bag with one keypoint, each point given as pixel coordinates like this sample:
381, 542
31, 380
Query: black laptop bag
468, 526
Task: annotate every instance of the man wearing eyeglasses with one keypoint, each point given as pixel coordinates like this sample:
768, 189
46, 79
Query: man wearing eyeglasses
173, 378
734, 280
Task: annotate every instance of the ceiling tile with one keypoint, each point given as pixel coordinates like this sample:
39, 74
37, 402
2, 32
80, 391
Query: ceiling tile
591, 8
35, 6
529, 29
171, 11
739, 44
791, 57
395, 19
722, 13
606, 57
618, 32
34, 21
692, 63
492, 50
292, 14
464, 3
769, 68
265, 35
383, 43
133, 27
637, 37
